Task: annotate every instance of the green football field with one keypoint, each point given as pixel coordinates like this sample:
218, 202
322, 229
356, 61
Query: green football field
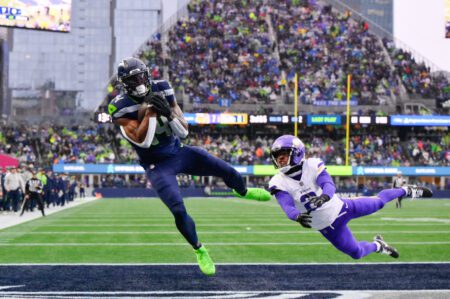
234, 231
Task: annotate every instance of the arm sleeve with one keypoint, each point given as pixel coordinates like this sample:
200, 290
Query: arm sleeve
286, 202
325, 182
178, 129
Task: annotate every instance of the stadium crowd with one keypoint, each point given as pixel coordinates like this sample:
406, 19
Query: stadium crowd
49, 144
44, 146
249, 51
323, 46
417, 77
101, 144
224, 51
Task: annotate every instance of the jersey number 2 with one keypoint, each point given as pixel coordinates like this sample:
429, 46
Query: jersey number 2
305, 198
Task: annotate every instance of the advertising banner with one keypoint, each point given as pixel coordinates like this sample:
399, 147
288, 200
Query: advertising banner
119, 168
265, 170
262, 170
406, 171
420, 120
324, 120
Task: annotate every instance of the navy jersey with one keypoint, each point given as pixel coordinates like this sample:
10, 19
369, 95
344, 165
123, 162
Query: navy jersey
165, 143
50, 184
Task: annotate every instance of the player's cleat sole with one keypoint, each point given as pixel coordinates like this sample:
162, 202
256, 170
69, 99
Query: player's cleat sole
385, 248
204, 261
258, 194
418, 191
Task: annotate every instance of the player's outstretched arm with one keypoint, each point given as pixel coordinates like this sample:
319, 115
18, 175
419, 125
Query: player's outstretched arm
286, 202
140, 133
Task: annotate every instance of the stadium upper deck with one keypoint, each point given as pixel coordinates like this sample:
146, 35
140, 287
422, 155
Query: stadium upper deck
247, 52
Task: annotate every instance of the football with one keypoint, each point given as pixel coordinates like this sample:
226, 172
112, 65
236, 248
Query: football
142, 110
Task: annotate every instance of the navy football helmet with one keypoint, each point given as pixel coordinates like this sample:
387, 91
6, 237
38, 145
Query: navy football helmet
134, 75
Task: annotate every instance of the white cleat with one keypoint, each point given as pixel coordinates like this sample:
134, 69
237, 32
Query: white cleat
415, 191
384, 248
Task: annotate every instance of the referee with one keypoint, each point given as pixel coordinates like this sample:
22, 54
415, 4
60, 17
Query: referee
33, 191
398, 182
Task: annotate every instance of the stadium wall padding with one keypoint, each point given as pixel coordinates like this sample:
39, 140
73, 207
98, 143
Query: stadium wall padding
201, 192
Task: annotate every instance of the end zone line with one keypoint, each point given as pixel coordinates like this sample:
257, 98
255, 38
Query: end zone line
244, 232
246, 292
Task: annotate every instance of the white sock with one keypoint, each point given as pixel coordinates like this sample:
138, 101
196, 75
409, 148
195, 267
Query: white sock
378, 246
406, 190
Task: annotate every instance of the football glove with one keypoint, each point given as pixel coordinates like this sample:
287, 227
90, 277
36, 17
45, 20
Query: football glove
161, 106
304, 220
318, 201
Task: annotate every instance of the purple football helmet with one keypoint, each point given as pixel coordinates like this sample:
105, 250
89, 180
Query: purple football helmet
295, 148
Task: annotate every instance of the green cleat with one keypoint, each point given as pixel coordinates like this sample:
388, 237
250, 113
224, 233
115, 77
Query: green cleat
258, 194
205, 262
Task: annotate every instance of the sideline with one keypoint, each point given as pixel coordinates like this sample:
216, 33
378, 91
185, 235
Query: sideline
8, 219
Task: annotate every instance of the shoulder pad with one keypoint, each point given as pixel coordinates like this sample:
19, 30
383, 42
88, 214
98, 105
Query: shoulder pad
114, 104
276, 183
315, 164
122, 106
164, 88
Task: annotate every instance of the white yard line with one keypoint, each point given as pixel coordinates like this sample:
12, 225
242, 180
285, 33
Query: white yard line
247, 232
199, 224
441, 220
209, 244
11, 219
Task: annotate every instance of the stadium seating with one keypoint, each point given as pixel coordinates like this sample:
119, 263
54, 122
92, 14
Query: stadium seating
241, 52
102, 144
45, 145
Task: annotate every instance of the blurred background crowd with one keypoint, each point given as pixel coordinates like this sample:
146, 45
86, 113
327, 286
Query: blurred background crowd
43, 145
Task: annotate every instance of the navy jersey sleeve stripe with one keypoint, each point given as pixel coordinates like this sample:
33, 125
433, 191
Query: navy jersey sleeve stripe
165, 88
126, 111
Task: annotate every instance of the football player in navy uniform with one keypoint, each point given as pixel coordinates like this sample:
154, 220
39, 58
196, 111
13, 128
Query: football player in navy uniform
155, 135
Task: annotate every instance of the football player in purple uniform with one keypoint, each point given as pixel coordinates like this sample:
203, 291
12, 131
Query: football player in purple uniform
306, 193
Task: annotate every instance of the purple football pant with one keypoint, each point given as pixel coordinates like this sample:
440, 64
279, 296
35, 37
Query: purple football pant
340, 235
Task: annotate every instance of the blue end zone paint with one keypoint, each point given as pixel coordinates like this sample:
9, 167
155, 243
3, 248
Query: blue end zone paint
146, 278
